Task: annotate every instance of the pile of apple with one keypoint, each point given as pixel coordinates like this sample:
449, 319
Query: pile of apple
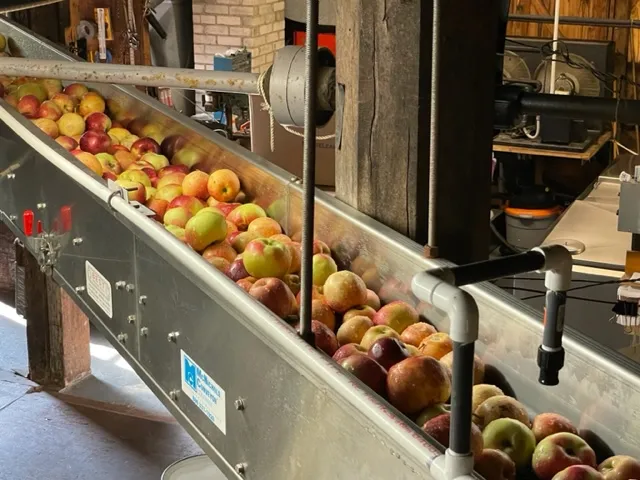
388, 347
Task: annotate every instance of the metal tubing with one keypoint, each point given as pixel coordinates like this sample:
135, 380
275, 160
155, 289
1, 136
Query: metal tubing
492, 269
309, 169
594, 22
577, 107
461, 392
554, 57
144, 76
433, 126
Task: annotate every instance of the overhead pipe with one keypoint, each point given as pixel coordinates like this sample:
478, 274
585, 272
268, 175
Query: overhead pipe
582, 21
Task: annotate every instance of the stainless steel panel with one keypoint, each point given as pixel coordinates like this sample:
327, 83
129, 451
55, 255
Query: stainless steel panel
629, 210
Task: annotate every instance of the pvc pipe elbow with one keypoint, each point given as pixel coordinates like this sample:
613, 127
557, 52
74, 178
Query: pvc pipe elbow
459, 305
558, 265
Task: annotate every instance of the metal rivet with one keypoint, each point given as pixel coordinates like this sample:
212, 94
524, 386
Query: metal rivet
173, 336
298, 182
120, 284
130, 287
131, 319
13, 218
144, 331
239, 404
241, 468
11, 176
41, 206
142, 300
122, 337
77, 241
293, 179
174, 394
80, 289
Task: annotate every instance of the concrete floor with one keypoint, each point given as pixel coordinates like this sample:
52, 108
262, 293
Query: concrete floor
108, 426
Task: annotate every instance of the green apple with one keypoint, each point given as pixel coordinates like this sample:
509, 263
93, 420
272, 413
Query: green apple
266, 258
323, 267
512, 437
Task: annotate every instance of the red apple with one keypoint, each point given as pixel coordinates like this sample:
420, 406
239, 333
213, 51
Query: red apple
388, 351
95, 142
173, 169
178, 217
28, 106
236, 270
64, 102
559, 451
368, 371
195, 185
416, 333
324, 337
158, 206
344, 290
320, 311
579, 472
204, 229
243, 215
109, 163
439, 428
99, 122
397, 315
373, 300
547, 424
348, 350
274, 294
171, 144
190, 203
226, 208
145, 145
495, 465
49, 110
48, 126
89, 161
76, 90
67, 143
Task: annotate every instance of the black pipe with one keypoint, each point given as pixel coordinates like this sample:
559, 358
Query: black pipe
461, 393
487, 270
551, 353
578, 107
593, 22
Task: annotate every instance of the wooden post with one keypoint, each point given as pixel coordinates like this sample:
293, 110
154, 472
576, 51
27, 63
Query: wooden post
58, 332
382, 161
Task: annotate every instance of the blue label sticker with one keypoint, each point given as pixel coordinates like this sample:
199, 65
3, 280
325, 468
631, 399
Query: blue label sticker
204, 392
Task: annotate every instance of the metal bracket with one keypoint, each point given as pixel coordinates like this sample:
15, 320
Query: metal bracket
119, 191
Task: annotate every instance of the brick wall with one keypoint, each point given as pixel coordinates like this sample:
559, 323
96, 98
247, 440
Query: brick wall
219, 25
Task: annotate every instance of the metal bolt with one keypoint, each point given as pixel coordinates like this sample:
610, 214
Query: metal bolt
293, 179
239, 404
131, 319
173, 394
298, 182
173, 336
130, 287
120, 284
13, 218
122, 337
142, 300
41, 206
241, 468
11, 176
144, 331
80, 289
77, 241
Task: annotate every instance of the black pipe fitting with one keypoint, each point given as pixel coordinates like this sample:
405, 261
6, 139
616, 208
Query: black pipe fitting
550, 363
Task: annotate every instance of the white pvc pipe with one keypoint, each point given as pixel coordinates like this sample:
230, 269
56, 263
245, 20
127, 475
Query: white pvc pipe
558, 266
554, 57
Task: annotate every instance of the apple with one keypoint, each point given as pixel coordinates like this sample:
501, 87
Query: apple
124, 158
344, 290
220, 249
293, 282
136, 125
296, 256
373, 300
171, 144
359, 311
376, 332
187, 157
32, 89
368, 371
48, 126
119, 133
500, 406
49, 110
265, 227
154, 131
89, 161
494, 464
323, 267
388, 351
547, 424
578, 472
67, 143
175, 178
478, 366
620, 467
223, 185
432, 411
219, 263
436, 345
171, 169
195, 185
178, 216
348, 350
483, 392
152, 174
204, 229
158, 206
397, 315
128, 142
414, 334
140, 177
315, 294
157, 161
52, 86
135, 191
246, 283
325, 339
29, 106
108, 162
227, 208
143, 146
321, 312
64, 102
71, 125
151, 192
413, 350
266, 258
90, 103
353, 329
274, 294
281, 237
212, 209
12, 99
236, 270
109, 175
320, 247
194, 206
95, 142
240, 240
513, 438
439, 429
243, 215
559, 451
169, 193
76, 90
416, 383
99, 122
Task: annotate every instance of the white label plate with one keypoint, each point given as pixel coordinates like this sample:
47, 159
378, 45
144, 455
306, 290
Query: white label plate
99, 289
204, 392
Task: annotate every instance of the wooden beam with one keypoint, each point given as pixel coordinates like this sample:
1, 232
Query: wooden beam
58, 333
382, 162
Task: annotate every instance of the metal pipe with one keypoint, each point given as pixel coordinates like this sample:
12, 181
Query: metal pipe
592, 22
433, 126
554, 57
144, 76
309, 169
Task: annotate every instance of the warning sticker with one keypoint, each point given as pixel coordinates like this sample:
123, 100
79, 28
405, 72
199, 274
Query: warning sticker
204, 392
99, 289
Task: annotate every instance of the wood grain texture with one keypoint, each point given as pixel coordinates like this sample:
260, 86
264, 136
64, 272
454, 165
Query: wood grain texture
58, 332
